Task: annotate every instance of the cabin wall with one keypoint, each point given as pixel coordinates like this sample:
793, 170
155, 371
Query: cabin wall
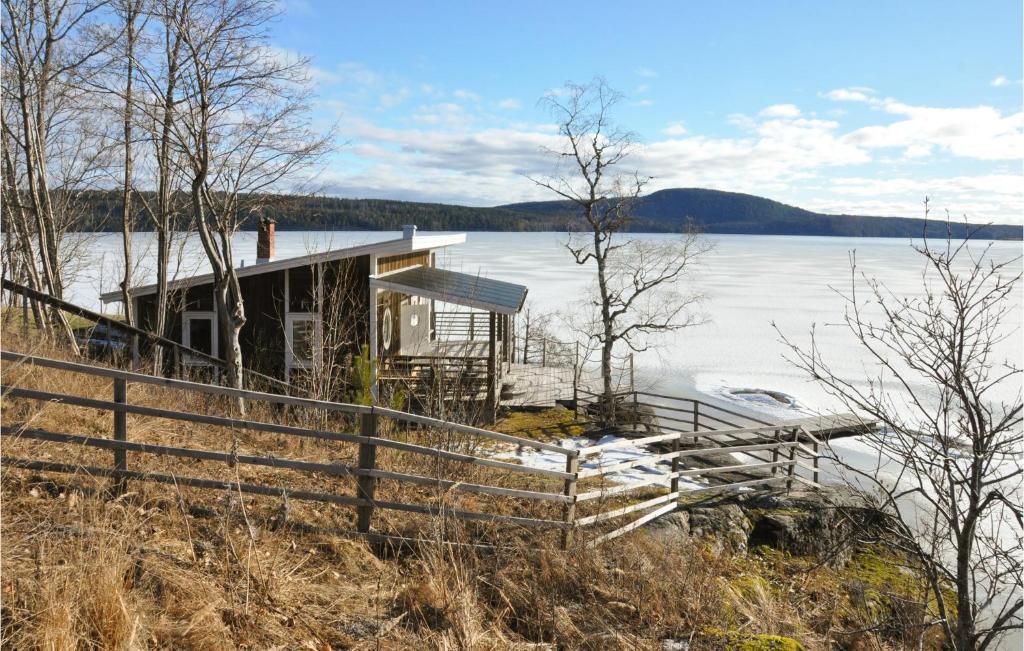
262, 336
389, 304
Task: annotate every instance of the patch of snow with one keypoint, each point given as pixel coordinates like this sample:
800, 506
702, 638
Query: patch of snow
638, 474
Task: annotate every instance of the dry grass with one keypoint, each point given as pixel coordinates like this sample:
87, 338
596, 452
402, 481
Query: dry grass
166, 567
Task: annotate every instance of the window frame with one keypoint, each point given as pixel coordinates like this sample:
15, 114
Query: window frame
186, 336
291, 359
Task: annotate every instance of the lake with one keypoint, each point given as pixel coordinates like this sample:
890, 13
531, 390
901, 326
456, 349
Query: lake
750, 282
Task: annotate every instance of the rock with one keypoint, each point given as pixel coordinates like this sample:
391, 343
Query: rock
725, 523
675, 645
816, 523
805, 523
671, 529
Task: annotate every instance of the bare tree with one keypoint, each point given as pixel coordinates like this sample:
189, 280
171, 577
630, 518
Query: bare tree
948, 445
51, 153
130, 11
242, 129
638, 289
157, 105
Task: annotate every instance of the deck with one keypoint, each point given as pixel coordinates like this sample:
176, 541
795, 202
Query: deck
535, 385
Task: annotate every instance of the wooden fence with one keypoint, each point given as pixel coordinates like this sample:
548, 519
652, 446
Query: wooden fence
602, 503
178, 352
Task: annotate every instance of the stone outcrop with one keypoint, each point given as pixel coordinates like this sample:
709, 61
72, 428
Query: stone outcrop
802, 522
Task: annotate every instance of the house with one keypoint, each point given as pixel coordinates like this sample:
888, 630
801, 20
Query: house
439, 335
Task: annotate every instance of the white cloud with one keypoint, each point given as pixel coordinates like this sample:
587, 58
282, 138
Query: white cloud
468, 153
510, 104
646, 72
674, 129
1000, 81
447, 114
642, 88
848, 95
981, 132
984, 198
781, 111
643, 102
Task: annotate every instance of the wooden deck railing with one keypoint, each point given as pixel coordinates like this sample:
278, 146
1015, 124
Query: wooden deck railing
785, 464
763, 453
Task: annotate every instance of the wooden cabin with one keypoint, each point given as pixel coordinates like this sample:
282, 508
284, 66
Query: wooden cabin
436, 335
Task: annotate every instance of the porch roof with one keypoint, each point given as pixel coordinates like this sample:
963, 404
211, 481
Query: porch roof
455, 287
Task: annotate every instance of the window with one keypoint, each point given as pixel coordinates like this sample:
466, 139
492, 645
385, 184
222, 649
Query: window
303, 332
199, 332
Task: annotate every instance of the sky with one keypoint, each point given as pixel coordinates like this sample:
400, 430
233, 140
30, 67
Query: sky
843, 107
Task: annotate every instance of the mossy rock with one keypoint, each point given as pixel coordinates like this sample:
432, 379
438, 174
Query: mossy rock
770, 643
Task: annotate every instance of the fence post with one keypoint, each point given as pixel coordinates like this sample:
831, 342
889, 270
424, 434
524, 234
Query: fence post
526, 338
120, 434
544, 352
775, 452
365, 486
572, 466
696, 421
792, 464
632, 376
676, 444
576, 384
815, 461
472, 325
636, 399
24, 316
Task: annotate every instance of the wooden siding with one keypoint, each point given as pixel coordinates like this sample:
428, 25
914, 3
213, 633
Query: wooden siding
396, 262
345, 314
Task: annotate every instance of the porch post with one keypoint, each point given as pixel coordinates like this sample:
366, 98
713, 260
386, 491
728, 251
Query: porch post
492, 364
372, 346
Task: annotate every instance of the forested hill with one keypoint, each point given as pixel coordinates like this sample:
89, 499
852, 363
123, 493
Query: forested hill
712, 211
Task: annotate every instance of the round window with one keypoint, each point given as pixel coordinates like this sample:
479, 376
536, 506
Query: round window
385, 329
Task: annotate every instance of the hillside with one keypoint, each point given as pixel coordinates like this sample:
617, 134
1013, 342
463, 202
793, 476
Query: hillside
714, 211
665, 211
178, 566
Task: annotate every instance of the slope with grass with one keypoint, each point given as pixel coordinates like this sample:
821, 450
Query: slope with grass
163, 567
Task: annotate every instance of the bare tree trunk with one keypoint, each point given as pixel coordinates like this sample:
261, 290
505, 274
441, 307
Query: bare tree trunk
127, 217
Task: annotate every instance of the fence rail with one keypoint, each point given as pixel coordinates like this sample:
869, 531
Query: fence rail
367, 472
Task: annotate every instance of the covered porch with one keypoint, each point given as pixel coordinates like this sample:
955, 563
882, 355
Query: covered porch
443, 336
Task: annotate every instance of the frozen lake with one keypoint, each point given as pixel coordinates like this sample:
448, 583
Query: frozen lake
750, 282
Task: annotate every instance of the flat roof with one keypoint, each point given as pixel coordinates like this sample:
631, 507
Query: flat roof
455, 287
418, 242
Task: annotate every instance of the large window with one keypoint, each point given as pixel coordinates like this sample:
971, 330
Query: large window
199, 332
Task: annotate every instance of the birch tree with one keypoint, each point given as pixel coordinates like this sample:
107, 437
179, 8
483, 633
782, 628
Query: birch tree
639, 289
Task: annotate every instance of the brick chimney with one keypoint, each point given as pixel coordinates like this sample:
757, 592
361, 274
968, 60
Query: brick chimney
265, 240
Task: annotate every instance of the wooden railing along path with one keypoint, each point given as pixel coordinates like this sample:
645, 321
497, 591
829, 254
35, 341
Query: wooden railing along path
578, 487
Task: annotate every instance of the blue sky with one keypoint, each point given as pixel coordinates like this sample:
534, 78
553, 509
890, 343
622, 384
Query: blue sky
859, 107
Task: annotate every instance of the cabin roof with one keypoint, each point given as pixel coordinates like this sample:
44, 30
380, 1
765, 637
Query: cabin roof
418, 242
455, 287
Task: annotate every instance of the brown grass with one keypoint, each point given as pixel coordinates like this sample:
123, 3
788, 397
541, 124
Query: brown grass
170, 568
